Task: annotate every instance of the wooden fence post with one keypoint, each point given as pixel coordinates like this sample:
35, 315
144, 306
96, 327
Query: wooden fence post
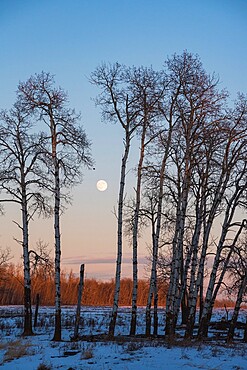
78, 310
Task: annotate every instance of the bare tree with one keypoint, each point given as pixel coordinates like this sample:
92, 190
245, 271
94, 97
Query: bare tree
232, 197
20, 183
5, 256
170, 112
196, 108
69, 149
40, 259
156, 220
148, 88
121, 103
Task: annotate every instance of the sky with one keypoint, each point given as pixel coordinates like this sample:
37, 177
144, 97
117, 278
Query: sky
69, 39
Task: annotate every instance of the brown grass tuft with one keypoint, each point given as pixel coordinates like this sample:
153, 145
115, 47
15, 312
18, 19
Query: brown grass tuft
16, 349
87, 353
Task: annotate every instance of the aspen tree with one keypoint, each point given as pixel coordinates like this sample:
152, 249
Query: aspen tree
67, 152
196, 107
117, 106
21, 183
148, 88
128, 96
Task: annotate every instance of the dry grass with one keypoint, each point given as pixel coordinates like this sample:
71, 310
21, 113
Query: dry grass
133, 346
3, 346
16, 349
87, 352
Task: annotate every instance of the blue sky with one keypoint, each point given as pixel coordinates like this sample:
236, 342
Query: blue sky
70, 38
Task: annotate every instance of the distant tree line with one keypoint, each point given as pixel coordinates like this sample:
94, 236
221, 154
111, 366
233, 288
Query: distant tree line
95, 293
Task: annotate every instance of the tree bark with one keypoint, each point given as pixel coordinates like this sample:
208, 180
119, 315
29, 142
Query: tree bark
27, 278
176, 293
173, 280
152, 282
156, 236
156, 317
209, 301
113, 319
219, 193
58, 324
200, 207
135, 234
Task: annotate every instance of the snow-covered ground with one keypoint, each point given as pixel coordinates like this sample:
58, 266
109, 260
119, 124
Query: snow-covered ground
39, 352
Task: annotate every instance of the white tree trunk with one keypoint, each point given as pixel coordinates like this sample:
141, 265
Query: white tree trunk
209, 302
156, 235
58, 325
234, 319
119, 238
213, 288
194, 246
175, 286
219, 192
26, 260
153, 280
135, 235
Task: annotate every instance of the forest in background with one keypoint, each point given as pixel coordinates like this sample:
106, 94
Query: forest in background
95, 292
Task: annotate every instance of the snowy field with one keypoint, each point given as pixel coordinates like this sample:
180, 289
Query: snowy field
40, 353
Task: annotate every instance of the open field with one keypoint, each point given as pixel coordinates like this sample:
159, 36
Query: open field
39, 352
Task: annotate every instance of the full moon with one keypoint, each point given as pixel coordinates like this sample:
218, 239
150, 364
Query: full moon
101, 185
